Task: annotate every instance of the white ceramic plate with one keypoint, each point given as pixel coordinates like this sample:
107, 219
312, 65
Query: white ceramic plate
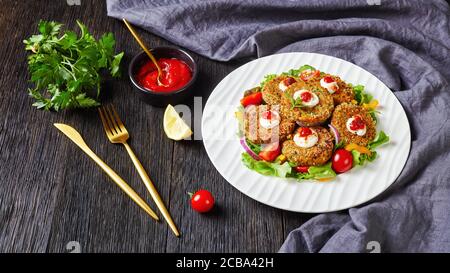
350, 189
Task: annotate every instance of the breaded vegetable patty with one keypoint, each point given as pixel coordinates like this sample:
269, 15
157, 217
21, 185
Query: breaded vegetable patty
341, 122
272, 93
344, 93
264, 124
316, 155
304, 115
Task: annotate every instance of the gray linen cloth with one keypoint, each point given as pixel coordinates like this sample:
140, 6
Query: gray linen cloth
406, 44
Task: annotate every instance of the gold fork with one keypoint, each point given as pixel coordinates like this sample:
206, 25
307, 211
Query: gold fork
73, 135
117, 133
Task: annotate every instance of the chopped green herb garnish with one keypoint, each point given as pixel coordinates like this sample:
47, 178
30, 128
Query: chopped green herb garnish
298, 103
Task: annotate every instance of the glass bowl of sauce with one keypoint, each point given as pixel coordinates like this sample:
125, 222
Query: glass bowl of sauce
179, 72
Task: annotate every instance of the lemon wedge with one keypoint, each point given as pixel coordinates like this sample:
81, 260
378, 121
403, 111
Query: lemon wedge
174, 126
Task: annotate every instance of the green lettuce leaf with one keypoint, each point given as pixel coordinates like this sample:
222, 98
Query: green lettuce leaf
291, 72
322, 172
266, 168
360, 95
254, 147
373, 114
266, 79
305, 67
380, 139
285, 169
341, 144
296, 72
316, 172
360, 159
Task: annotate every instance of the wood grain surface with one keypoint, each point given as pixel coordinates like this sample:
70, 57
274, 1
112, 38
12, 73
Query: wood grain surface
51, 193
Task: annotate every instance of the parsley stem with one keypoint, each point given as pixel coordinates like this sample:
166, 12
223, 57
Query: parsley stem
70, 72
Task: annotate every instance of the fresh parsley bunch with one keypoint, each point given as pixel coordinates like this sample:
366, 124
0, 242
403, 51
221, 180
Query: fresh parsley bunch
66, 69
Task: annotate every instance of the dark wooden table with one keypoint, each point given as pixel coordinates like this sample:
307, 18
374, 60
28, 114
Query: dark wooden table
51, 193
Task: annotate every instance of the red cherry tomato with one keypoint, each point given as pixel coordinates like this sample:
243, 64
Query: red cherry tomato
308, 75
342, 161
270, 152
202, 201
252, 99
302, 169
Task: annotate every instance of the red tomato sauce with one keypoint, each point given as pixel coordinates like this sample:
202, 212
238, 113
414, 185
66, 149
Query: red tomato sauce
175, 75
306, 96
328, 79
357, 123
305, 132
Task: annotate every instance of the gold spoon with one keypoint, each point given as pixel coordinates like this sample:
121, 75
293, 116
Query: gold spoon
150, 55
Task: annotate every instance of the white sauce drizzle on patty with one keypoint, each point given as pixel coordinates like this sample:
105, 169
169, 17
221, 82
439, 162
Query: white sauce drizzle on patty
311, 103
359, 132
331, 87
270, 123
308, 141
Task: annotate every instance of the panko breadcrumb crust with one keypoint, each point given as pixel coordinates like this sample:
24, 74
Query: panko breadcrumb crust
306, 116
259, 135
345, 92
271, 92
316, 155
339, 119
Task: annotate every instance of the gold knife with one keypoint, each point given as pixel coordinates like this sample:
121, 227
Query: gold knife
76, 137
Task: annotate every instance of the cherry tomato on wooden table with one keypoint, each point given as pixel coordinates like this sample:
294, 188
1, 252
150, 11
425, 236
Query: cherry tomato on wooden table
202, 201
342, 160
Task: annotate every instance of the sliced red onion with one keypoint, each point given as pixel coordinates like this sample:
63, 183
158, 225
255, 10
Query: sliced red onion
248, 150
337, 137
